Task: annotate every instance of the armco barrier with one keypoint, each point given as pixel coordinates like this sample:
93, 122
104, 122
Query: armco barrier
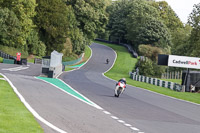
155, 81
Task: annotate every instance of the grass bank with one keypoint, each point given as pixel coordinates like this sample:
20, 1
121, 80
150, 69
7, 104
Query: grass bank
14, 117
125, 63
85, 58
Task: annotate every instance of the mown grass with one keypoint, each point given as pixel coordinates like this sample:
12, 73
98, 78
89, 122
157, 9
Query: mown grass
125, 63
14, 117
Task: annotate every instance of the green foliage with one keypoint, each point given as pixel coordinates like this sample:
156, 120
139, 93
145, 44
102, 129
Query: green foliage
180, 39
118, 12
148, 66
154, 32
35, 46
52, 22
168, 16
194, 21
1, 60
90, 15
145, 67
25, 11
150, 51
9, 28
140, 14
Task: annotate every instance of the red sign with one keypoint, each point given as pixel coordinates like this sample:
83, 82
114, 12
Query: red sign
18, 56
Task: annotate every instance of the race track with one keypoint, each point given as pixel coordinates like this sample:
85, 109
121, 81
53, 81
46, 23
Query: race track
147, 111
135, 111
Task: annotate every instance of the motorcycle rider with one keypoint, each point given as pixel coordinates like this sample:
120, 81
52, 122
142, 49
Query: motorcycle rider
122, 80
107, 61
120, 87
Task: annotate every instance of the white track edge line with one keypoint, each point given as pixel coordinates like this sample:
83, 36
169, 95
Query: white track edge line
31, 109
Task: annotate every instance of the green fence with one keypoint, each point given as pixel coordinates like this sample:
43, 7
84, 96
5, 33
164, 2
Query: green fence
8, 61
73, 62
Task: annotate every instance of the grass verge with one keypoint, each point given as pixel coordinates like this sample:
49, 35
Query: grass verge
125, 63
14, 117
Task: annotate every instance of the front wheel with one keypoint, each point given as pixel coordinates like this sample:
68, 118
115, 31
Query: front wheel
116, 95
118, 92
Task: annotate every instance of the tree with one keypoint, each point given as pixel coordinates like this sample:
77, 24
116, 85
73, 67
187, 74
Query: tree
153, 32
118, 12
145, 27
181, 42
167, 15
51, 19
194, 21
90, 15
148, 65
9, 28
25, 11
34, 45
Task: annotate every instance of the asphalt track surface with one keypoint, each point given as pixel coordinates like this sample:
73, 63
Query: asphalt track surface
136, 110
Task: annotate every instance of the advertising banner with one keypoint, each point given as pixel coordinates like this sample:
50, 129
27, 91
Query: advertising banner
184, 61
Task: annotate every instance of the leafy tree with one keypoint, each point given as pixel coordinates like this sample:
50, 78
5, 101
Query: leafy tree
148, 65
25, 11
51, 19
145, 27
150, 51
34, 45
77, 38
153, 32
90, 15
181, 43
194, 21
118, 12
168, 16
9, 28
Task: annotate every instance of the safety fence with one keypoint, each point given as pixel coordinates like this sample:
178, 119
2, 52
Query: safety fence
74, 61
157, 82
172, 75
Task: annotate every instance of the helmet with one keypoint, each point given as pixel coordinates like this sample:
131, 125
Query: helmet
124, 79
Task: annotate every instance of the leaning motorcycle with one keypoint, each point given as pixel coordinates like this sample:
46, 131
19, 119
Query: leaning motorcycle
119, 88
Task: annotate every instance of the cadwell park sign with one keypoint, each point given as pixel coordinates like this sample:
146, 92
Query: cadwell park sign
189, 78
184, 61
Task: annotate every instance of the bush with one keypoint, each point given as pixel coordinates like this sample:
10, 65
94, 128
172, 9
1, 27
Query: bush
150, 51
1, 60
147, 67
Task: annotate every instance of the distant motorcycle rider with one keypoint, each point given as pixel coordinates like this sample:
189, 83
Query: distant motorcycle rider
107, 61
